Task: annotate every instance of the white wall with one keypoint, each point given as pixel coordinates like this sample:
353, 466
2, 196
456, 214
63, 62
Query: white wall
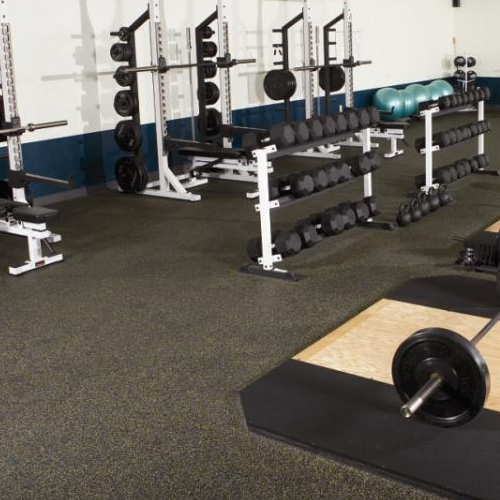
478, 34
61, 50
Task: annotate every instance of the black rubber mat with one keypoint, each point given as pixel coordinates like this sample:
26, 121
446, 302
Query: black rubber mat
357, 419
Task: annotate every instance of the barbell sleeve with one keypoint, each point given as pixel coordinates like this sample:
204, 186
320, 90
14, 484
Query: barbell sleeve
424, 394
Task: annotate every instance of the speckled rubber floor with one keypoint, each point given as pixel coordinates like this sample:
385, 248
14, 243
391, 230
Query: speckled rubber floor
120, 368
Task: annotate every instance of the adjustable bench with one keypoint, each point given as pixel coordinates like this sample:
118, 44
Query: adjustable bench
30, 222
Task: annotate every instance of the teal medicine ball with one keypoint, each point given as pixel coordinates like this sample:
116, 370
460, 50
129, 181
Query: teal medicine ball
388, 99
446, 87
420, 93
409, 102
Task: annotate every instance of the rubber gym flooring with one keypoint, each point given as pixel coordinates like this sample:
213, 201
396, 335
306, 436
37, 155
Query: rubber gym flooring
120, 369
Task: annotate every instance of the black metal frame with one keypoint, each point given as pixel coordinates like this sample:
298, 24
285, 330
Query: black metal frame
134, 88
285, 49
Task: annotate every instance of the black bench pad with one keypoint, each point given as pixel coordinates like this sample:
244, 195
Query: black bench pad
35, 215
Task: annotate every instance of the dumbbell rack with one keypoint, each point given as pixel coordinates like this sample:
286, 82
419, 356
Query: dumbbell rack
37, 234
433, 111
465, 82
264, 158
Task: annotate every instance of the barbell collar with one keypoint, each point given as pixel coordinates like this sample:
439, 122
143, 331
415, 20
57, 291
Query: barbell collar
424, 394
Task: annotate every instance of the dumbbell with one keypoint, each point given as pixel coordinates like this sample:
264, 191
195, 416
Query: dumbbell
328, 223
283, 135
362, 211
375, 160
374, 114
445, 102
360, 165
461, 167
333, 173
352, 120
474, 165
373, 206
348, 213
341, 121
316, 130
443, 175
345, 173
298, 185
475, 129
286, 243
441, 139
329, 126
364, 118
302, 133
483, 160
320, 178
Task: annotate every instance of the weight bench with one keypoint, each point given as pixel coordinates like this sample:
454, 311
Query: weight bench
392, 131
30, 222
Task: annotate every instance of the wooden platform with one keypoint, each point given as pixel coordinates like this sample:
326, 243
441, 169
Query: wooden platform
494, 228
365, 345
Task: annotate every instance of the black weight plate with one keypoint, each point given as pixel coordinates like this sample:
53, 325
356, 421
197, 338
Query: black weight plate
125, 103
128, 135
212, 93
280, 85
209, 70
467, 382
213, 122
209, 49
124, 79
128, 175
5, 190
337, 77
121, 52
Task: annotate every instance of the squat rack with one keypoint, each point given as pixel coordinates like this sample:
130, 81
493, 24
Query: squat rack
17, 216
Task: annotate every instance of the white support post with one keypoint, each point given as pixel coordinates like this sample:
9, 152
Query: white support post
267, 260
308, 58
480, 138
348, 54
368, 178
169, 185
429, 171
225, 74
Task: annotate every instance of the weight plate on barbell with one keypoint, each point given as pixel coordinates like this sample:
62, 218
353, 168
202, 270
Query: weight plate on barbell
125, 103
466, 378
337, 77
131, 175
280, 84
128, 135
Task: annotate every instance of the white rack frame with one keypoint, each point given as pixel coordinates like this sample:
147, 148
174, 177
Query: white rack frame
430, 149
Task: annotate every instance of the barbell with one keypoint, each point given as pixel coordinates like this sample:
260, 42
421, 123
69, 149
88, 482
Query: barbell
441, 376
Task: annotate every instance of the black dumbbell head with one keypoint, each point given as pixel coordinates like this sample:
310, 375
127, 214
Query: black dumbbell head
283, 135
333, 174
341, 122
329, 126
302, 134
375, 159
288, 243
307, 233
301, 185
374, 115
453, 172
373, 205
352, 120
443, 175
364, 118
332, 222
345, 173
362, 211
320, 178
474, 164
360, 165
348, 213
315, 129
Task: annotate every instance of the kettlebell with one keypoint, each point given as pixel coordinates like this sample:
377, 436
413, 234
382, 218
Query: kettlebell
433, 198
444, 197
404, 217
425, 207
415, 212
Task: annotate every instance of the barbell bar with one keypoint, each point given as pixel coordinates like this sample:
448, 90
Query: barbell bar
31, 127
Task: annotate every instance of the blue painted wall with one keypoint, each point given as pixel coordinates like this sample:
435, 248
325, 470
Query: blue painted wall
91, 158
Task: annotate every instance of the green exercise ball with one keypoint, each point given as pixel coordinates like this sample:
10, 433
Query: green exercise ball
388, 98
446, 87
420, 93
409, 102
434, 91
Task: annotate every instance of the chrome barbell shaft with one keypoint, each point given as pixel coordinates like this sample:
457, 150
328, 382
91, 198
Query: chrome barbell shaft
31, 127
